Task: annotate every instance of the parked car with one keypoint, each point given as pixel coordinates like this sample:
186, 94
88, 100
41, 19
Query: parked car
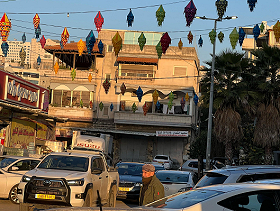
245, 197
176, 181
239, 174
11, 170
164, 160
130, 174
192, 165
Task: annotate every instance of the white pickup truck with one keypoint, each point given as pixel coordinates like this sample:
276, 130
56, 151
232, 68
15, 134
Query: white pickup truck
77, 178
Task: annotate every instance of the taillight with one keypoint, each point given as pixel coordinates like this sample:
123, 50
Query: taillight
166, 162
154, 161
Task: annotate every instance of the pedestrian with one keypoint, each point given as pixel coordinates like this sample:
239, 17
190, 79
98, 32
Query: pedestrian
152, 189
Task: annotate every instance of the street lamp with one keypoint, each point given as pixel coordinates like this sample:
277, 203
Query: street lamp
209, 132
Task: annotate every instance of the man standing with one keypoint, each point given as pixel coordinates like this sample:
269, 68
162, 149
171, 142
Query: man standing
152, 189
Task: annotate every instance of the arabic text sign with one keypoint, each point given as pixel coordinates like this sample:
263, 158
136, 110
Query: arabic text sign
172, 133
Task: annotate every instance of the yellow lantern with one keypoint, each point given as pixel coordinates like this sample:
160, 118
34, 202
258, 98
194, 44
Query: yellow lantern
56, 67
276, 30
117, 43
155, 96
89, 77
187, 97
81, 47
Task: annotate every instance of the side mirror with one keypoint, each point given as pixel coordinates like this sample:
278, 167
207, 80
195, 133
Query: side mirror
96, 171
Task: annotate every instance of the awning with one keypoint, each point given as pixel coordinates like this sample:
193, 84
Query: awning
137, 60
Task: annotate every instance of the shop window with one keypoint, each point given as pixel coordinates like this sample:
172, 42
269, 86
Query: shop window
76, 99
66, 98
85, 98
57, 98
150, 104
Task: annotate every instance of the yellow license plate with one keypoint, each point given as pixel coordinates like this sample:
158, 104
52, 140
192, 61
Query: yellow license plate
44, 196
160, 162
124, 189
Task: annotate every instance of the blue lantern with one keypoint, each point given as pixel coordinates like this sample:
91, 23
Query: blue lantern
100, 47
38, 32
158, 105
23, 38
200, 41
241, 35
252, 4
139, 93
195, 99
256, 31
39, 60
90, 41
111, 107
61, 45
5, 48
130, 18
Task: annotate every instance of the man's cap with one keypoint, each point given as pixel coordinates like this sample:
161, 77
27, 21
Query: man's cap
148, 167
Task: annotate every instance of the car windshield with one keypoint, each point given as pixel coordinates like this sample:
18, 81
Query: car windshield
161, 157
211, 179
172, 177
6, 161
60, 162
185, 199
130, 169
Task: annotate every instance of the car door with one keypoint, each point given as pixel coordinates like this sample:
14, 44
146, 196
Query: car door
3, 184
95, 178
104, 177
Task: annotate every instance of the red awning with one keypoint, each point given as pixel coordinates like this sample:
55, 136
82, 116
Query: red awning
137, 60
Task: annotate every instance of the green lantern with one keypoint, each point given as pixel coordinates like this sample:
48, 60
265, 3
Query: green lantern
22, 55
212, 36
142, 41
159, 49
221, 37
160, 14
101, 106
73, 74
234, 36
262, 27
171, 96
170, 104
134, 107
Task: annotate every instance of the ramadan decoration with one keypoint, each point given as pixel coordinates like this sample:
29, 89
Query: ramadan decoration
165, 41
64, 36
183, 102
190, 37
36, 21
56, 67
233, 37
73, 74
171, 96
111, 106
180, 44
160, 14
81, 46
241, 35
61, 44
89, 77
187, 97
145, 109
90, 41
170, 104
252, 4
43, 41
200, 41
98, 21
262, 27
256, 31
22, 55
5, 27
123, 88
158, 105
39, 60
134, 107
221, 7
159, 49
221, 36
155, 96
212, 36
276, 30
5, 48
130, 18
190, 11
101, 106
117, 43
23, 38
106, 85
142, 41
100, 47
38, 32
139, 93
195, 99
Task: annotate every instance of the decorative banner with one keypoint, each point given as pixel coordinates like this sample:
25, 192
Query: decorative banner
81, 47
200, 41
111, 106
90, 41
39, 60
160, 14
158, 105
5, 48
43, 41
234, 36
221, 7
22, 55
139, 93
180, 44
159, 49
221, 36
100, 47
241, 35
36, 21
276, 30
101, 106
98, 21
56, 67
190, 37
252, 4
5, 26
262, 27
123, 88
165, 41
64, 36
130, 18
117, 43
155, 96
145, 109
142, 41
187, 97
195, 99
73, 74
38, 32
89, 77
23, 38
256, 31
212, 36
183, 102
106, 85
190, 11
134, 107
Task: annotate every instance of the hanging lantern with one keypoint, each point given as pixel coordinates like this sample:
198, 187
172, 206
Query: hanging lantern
158, 105
190, 11
38, 32
159, 49
155, 96
5, 26
187, 97
160, 14
73, 74
23, 38
101, 106
233, 37
130, 18
256, 31
134, 107
98, 21
106, 85
276, 30
142, 41
89, 77
200, 41
171, 96
123, 88
183, 102
241, 36
117, 43
36, 21
90, 104
195, 99
61, 44
43, 41
190, 37
170, 105
22, 55
39, 60
139, 93
56, 67
252, 4
81, 46
100, 47
262, 27
111, 106
5, 48
212, 36
123, 105
90, 41
145, 109
221, 37
64, 36
221, 7
180, 44
165, 41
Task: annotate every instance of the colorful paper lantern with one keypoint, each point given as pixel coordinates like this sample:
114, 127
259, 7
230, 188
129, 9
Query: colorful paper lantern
5, 27
221, 37
64, 36
39, 60
221, 7
123, 88
61, 44
130, 18
158, 105
36, 21
90, 41
111, 106
190, 37
233, 37
212, 36
187, 97
241, 35
81, 46
155, 96
89, 77
145, 109
139, 93
117, 43
142, 41
22, 55
171, 96
256, 31
183, 102
134, 107
98, 21
73, 74
195, 99
100, 47
190, 11
38, 32
180, 44
165, 41
160, 14
23, 38
262, 27
159, 49
276, 30
101, 106
56, 67
170, 104
5, 48
200, 41
252, 4
43, 41
106, 85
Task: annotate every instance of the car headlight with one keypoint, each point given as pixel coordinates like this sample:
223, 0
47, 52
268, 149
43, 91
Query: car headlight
79, 182
137, 184
25, 178
184, 189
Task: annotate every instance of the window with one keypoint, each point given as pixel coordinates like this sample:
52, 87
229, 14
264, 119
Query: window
66, 98
177, 71
76, 98
137, 71
21, 166
57, 97
105, 111
109, 48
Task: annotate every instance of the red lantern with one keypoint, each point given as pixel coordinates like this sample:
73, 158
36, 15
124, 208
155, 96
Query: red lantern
36, 21
145, 109
43, 41
190, 37
98, 20
123, 88
165, 42
106, 85
64, 36
5, 26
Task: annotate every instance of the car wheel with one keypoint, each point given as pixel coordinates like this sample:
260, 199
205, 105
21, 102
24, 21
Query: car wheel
88, 199
13, 196
112, 196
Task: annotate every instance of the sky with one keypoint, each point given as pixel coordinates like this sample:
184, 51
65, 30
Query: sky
53, 15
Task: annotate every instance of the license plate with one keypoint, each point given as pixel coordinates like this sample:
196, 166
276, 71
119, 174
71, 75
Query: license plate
44, 196
124, 189
160, 162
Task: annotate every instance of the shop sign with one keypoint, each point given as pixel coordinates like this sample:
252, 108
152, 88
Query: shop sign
172, 133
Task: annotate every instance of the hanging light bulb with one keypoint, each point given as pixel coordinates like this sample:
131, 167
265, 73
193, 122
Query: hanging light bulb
68, 14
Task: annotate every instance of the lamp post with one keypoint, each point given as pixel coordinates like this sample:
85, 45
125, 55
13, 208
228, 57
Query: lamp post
209, 131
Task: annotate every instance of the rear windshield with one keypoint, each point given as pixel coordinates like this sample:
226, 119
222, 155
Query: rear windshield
211, 179
185, 199
161, 157
6, 161
172, 177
